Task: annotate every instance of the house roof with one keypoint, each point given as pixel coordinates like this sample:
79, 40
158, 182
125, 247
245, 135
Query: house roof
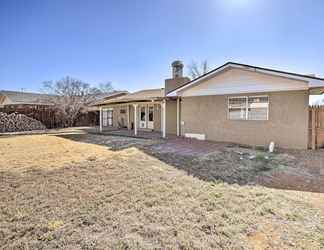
315, 81
142, 95
107, 96
17, 97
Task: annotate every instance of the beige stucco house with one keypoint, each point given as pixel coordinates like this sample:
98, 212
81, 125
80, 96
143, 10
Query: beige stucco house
233, 103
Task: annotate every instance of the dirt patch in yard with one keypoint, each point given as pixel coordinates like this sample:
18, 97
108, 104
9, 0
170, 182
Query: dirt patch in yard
211, 161
126, 198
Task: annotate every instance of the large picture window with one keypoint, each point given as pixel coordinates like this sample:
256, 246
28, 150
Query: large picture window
248, 108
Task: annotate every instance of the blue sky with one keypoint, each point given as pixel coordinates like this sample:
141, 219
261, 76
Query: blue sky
132, 43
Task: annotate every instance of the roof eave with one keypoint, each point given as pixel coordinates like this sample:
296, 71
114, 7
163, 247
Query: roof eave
313, 81
132, 101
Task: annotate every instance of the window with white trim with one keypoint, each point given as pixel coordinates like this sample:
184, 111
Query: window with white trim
248, 108
107, 117
143, 114
110, 117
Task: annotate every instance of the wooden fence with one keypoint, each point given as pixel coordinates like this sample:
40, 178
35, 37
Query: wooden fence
316, 127
48, 116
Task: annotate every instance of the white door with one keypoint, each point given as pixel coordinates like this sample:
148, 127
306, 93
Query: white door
143, 117
104, 117
107, 117
150, 123
110, 117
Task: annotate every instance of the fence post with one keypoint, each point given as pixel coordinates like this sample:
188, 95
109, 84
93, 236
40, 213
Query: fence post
313, 129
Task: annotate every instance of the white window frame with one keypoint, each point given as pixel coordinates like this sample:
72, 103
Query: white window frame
246, 107
111, 119
145, 113
105, 117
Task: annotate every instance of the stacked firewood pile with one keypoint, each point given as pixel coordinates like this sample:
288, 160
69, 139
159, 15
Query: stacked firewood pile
18, 122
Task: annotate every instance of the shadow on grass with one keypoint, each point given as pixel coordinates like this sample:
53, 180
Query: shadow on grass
213, 162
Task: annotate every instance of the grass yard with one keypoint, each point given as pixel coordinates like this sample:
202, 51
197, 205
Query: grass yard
83, 191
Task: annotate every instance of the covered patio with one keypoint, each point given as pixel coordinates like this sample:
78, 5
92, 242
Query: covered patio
141, 114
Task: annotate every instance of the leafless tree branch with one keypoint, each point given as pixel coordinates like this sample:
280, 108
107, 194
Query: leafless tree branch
71, 96
196, 70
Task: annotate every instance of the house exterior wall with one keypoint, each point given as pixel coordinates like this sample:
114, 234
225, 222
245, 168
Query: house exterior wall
119, 119
157, 117
171, 117
287, 125
171, 84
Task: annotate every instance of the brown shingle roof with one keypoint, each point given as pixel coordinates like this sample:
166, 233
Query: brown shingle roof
142, 95
17, 97
104, 97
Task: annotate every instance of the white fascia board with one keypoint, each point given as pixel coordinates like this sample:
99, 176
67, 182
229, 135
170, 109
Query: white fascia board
234, 92
300, 78
175, 92
314, 83
311, 82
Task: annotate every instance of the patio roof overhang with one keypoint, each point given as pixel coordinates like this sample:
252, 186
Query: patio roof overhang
136, 101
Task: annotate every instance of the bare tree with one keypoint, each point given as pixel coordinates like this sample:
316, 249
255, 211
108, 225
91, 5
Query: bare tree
196, 70
106, 87
70, 97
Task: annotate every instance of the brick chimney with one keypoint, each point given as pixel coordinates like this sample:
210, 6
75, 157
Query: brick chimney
177, 79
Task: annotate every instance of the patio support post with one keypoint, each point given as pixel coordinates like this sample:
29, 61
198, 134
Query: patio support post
178, 116
100, 118
135, 119
128, 118
163, 106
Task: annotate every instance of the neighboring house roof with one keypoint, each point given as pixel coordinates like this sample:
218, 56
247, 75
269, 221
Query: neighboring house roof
16, 97
103, 97
312, 80
142, 95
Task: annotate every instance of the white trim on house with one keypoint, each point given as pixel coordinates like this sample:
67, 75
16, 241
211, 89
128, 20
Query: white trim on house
100, 118
303, 82
178, 116
135, 118
163, 111
128, 117
174, 92
246, 97
201, 137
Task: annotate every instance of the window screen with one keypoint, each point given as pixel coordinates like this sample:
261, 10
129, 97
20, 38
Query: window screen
237, 108
258, 108
248, 108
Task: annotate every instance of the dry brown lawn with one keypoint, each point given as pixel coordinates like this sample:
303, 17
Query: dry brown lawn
69, 192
